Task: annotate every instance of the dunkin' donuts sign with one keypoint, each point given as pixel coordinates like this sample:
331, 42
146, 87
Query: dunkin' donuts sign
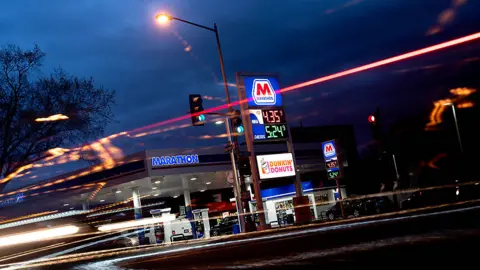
275, 166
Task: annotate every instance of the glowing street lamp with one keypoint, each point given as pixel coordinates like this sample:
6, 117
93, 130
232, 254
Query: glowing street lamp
162, 18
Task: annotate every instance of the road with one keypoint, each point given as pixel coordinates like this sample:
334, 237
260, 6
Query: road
424, 238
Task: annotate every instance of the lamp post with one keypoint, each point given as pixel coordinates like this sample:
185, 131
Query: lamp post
164, 18
454, 111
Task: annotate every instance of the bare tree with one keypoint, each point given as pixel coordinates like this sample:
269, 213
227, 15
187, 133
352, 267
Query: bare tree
25, 97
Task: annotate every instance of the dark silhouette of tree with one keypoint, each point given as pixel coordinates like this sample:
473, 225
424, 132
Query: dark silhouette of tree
24, 97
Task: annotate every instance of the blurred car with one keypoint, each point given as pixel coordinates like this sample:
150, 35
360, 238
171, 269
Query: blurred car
225, 226
378, 205
350, 208
414, 200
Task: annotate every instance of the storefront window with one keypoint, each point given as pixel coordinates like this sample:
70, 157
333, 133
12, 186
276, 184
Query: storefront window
284, 212
321, 199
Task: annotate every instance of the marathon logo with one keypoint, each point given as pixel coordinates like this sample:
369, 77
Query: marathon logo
263, 93
174, 160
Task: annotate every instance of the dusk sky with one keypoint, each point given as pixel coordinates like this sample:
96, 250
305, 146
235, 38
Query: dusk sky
153, 68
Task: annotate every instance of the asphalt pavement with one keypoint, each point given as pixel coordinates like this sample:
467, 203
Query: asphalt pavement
424, 239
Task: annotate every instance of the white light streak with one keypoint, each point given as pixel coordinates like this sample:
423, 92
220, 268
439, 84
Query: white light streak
136, 223
36, 236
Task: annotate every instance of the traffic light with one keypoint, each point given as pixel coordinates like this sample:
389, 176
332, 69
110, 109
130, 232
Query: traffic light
244, 165
237, 122
375, 125
196, 106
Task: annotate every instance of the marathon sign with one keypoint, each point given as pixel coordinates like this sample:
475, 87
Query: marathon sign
262, 92
174, 160
332, 163
275, 166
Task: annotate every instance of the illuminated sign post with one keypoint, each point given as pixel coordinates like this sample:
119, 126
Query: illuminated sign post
333, 166
265, 122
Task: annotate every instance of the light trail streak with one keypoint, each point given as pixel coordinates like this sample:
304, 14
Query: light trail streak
52, 118
95, 192
136, 223
41, 218
260, 236
366, 67
436, 115
28, 216
113, 211
57, 156
36, 236
29, 252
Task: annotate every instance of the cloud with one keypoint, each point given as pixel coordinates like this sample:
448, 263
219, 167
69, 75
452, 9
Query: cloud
446, 17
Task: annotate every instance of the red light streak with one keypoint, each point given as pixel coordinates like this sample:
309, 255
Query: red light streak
366, 67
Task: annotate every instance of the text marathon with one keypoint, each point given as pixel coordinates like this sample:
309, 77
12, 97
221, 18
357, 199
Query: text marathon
174, 160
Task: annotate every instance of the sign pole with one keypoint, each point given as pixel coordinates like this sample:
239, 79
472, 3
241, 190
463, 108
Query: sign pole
298, 179
251, 150
334, 167
257, 191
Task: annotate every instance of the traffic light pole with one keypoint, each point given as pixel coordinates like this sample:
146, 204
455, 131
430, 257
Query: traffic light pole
227, 95
238, 199
234, 140
236, 184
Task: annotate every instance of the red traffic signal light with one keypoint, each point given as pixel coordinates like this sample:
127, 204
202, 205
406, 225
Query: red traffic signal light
372, 119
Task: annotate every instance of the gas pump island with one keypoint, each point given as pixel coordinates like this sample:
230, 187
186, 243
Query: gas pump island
265, 122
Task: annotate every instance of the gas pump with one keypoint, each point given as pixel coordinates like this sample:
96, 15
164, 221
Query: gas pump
161, 232
201, 216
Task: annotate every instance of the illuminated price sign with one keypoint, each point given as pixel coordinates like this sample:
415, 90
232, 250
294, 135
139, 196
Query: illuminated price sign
273, 116
332, 164
268, 125
333, 174
276, 132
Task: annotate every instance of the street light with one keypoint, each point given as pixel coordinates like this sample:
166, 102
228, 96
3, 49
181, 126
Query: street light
219, 122
456, 125
164, 18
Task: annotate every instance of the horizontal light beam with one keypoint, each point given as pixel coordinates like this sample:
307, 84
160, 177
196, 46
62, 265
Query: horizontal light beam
373, 65
36, 236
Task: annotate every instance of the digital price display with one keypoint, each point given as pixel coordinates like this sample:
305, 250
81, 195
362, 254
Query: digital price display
333, 174
332, 164
273, 116
268, 125
275, 132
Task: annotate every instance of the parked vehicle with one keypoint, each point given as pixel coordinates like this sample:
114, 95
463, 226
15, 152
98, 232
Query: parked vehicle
350, 208
414, 200
181, 229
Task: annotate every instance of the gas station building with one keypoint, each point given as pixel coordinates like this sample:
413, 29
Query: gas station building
184, 180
